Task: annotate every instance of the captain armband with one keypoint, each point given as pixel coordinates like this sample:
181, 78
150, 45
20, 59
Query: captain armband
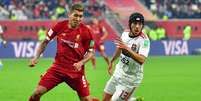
91, 43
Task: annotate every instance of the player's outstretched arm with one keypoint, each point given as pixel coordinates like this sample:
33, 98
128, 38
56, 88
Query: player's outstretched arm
105, 34
129, 52
39, 51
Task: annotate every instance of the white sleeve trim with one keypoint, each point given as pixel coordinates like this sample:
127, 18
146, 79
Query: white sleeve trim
50, 32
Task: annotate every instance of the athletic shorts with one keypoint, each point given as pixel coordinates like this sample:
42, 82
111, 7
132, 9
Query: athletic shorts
52, 78
120, 90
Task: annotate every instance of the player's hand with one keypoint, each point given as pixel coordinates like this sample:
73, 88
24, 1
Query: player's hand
120, 44
33, 62
110, 68
78, 65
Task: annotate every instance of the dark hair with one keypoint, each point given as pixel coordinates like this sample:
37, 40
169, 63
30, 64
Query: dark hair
136, 17
78, 7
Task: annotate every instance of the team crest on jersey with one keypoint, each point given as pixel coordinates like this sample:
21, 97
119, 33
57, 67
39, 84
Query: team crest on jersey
77, 38
134, 47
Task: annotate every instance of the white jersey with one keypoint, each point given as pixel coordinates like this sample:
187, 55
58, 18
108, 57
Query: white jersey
127, 68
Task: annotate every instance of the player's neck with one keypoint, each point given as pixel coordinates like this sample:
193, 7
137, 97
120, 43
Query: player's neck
132, 35
72, 27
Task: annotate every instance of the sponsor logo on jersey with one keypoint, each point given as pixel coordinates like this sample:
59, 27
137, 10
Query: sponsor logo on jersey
70, 43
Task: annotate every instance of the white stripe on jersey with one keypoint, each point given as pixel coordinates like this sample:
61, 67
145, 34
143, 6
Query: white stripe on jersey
50, 32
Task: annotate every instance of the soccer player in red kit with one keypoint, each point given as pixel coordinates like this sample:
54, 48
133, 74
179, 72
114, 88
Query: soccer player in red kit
99, 34
74, 49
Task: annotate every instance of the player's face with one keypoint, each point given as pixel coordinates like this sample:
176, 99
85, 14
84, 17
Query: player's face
136, 28
75, 18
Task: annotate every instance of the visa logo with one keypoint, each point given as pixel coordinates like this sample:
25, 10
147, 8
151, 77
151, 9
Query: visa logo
175, 47
25, 49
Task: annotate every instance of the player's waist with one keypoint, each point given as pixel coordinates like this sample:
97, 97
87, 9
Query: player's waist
67, 70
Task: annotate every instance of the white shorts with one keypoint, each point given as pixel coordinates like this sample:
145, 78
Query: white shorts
120, 88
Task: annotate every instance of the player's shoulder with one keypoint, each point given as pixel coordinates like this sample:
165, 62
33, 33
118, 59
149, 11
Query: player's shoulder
61, 24
86, 30
84, 26
144, 36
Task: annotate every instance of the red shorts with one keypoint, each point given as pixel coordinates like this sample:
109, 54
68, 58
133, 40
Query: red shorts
52, 78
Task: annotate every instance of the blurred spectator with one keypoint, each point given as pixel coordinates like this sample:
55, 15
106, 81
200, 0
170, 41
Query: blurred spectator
172, 9
41, 34
187, 32
161, 33
100, 35
146, 30
153, 35
46, 9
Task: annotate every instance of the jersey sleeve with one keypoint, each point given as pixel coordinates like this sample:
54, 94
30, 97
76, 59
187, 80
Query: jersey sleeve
144, 47
88, 43
53, 31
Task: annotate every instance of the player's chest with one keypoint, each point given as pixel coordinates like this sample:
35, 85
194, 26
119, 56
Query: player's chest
133, 44
73, 35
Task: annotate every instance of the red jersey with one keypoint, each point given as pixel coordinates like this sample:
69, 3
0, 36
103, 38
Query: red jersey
97, 31
72, 44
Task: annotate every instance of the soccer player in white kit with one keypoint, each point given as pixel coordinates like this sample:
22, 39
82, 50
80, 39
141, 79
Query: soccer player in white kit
2, 41
133, 49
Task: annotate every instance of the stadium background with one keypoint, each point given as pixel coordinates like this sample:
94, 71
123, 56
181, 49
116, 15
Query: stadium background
172, 71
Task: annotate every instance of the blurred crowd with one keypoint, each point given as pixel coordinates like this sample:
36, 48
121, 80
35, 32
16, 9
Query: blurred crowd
173, 9
46, 9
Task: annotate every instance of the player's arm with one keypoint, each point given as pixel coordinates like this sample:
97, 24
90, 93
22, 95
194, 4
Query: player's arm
129, 52
49, 36
105, 34
115, 56
3, 39
39, 51
87, 57
135, 56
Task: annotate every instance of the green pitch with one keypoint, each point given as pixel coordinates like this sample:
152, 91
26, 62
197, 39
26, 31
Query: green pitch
173, 78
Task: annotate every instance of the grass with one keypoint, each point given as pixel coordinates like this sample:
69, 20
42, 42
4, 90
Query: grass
170, 78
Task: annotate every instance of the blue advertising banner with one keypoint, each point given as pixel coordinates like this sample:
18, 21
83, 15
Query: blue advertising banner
175, 47
27, 49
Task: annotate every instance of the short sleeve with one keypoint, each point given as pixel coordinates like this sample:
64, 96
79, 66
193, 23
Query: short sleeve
88, 40
52, 32
144, 47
